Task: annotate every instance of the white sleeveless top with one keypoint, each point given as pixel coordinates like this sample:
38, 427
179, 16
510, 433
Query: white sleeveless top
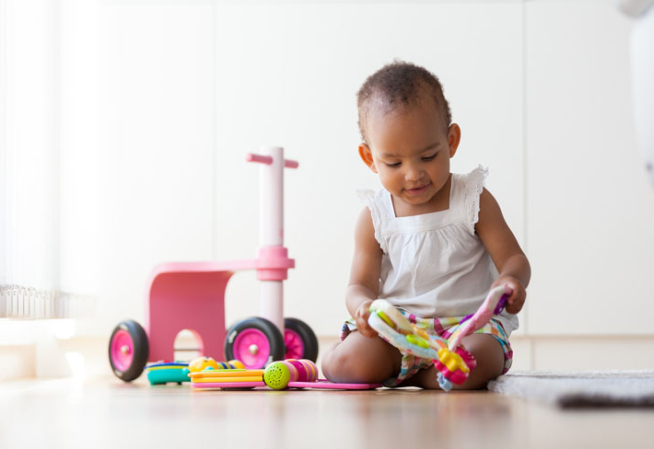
434, 265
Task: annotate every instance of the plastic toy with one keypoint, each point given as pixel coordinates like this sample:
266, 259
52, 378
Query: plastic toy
167, 372
278, 375
191, 296
178, 372
232, 378
453, 363
202, 363
298, 374
304, 374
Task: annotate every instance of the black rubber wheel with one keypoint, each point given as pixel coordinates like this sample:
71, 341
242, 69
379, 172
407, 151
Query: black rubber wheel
255, 342
128, 350
306, 347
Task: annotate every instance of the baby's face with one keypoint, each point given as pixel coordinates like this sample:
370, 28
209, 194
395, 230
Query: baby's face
411, 152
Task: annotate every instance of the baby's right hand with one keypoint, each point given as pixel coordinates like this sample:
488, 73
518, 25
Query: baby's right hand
361, 318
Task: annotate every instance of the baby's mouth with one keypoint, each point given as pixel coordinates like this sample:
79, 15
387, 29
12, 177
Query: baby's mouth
418, 190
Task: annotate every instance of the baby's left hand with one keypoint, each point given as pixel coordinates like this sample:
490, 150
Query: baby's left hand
516, 301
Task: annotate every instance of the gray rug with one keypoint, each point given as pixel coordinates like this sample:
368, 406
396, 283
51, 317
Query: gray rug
580, 389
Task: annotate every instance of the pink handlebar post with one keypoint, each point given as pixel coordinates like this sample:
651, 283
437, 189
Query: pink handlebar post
273, 262
268, 160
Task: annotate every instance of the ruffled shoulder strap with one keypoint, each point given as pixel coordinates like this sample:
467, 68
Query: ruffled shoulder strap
474, 183
373, 200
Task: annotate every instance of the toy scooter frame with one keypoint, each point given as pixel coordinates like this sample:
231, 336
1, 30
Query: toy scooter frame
191, 296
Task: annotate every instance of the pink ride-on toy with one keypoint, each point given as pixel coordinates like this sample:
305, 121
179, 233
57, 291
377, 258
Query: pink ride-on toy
192, 296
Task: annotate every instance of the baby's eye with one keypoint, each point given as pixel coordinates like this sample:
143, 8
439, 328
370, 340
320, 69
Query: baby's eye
393, 165
429, 158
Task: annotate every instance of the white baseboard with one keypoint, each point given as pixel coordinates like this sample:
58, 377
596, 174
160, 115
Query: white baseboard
87, 357
583, 352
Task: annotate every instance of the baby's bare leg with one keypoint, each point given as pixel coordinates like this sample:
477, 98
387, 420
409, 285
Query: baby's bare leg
359, 359
490, 364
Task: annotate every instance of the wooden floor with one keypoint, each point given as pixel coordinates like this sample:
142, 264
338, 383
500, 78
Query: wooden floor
107, 413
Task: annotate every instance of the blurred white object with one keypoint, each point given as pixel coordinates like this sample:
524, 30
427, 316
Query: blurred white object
642, 69
635, 8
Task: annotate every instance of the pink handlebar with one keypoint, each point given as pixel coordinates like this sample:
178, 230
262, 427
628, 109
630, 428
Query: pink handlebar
288, 163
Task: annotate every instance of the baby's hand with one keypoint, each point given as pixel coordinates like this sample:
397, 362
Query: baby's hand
516, 300
361, 318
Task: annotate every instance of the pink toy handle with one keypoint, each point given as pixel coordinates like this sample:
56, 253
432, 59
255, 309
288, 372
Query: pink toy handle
288, 163
492, 305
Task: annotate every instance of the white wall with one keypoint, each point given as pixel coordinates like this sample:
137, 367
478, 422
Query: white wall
540, 88
157, 187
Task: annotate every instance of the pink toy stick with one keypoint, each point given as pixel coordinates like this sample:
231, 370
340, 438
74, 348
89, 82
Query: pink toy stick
268, 160
319, 384
482, 316
222, 385
251, 157
324, 384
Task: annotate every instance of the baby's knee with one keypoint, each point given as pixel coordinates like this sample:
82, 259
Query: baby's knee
351, 364
490, 360
338, 364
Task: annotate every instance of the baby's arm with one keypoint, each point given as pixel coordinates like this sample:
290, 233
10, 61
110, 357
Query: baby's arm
505, 251
364, 274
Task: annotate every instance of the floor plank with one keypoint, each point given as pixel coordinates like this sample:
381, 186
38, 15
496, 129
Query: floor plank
105, 412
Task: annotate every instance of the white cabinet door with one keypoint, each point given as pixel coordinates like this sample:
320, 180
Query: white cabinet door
590, 212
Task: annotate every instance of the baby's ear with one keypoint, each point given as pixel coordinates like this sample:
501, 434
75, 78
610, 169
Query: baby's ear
366, 157
453, 138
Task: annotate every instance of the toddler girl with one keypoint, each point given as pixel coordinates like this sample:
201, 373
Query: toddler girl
431, 242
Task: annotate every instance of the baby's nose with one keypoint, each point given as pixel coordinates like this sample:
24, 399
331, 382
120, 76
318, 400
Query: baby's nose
413, 174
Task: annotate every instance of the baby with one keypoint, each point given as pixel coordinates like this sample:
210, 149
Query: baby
430, 242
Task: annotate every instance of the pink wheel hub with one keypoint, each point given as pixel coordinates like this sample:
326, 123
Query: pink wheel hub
122, 350
252, 348
294, 345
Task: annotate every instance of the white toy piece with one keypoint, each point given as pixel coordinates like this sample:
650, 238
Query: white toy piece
398, 331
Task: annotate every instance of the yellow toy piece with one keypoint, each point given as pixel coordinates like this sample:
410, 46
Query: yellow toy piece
211, 378
207, 363
236, 364
452, 360
202, 363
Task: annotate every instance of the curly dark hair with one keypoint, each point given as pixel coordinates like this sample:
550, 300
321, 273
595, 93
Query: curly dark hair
398, 85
